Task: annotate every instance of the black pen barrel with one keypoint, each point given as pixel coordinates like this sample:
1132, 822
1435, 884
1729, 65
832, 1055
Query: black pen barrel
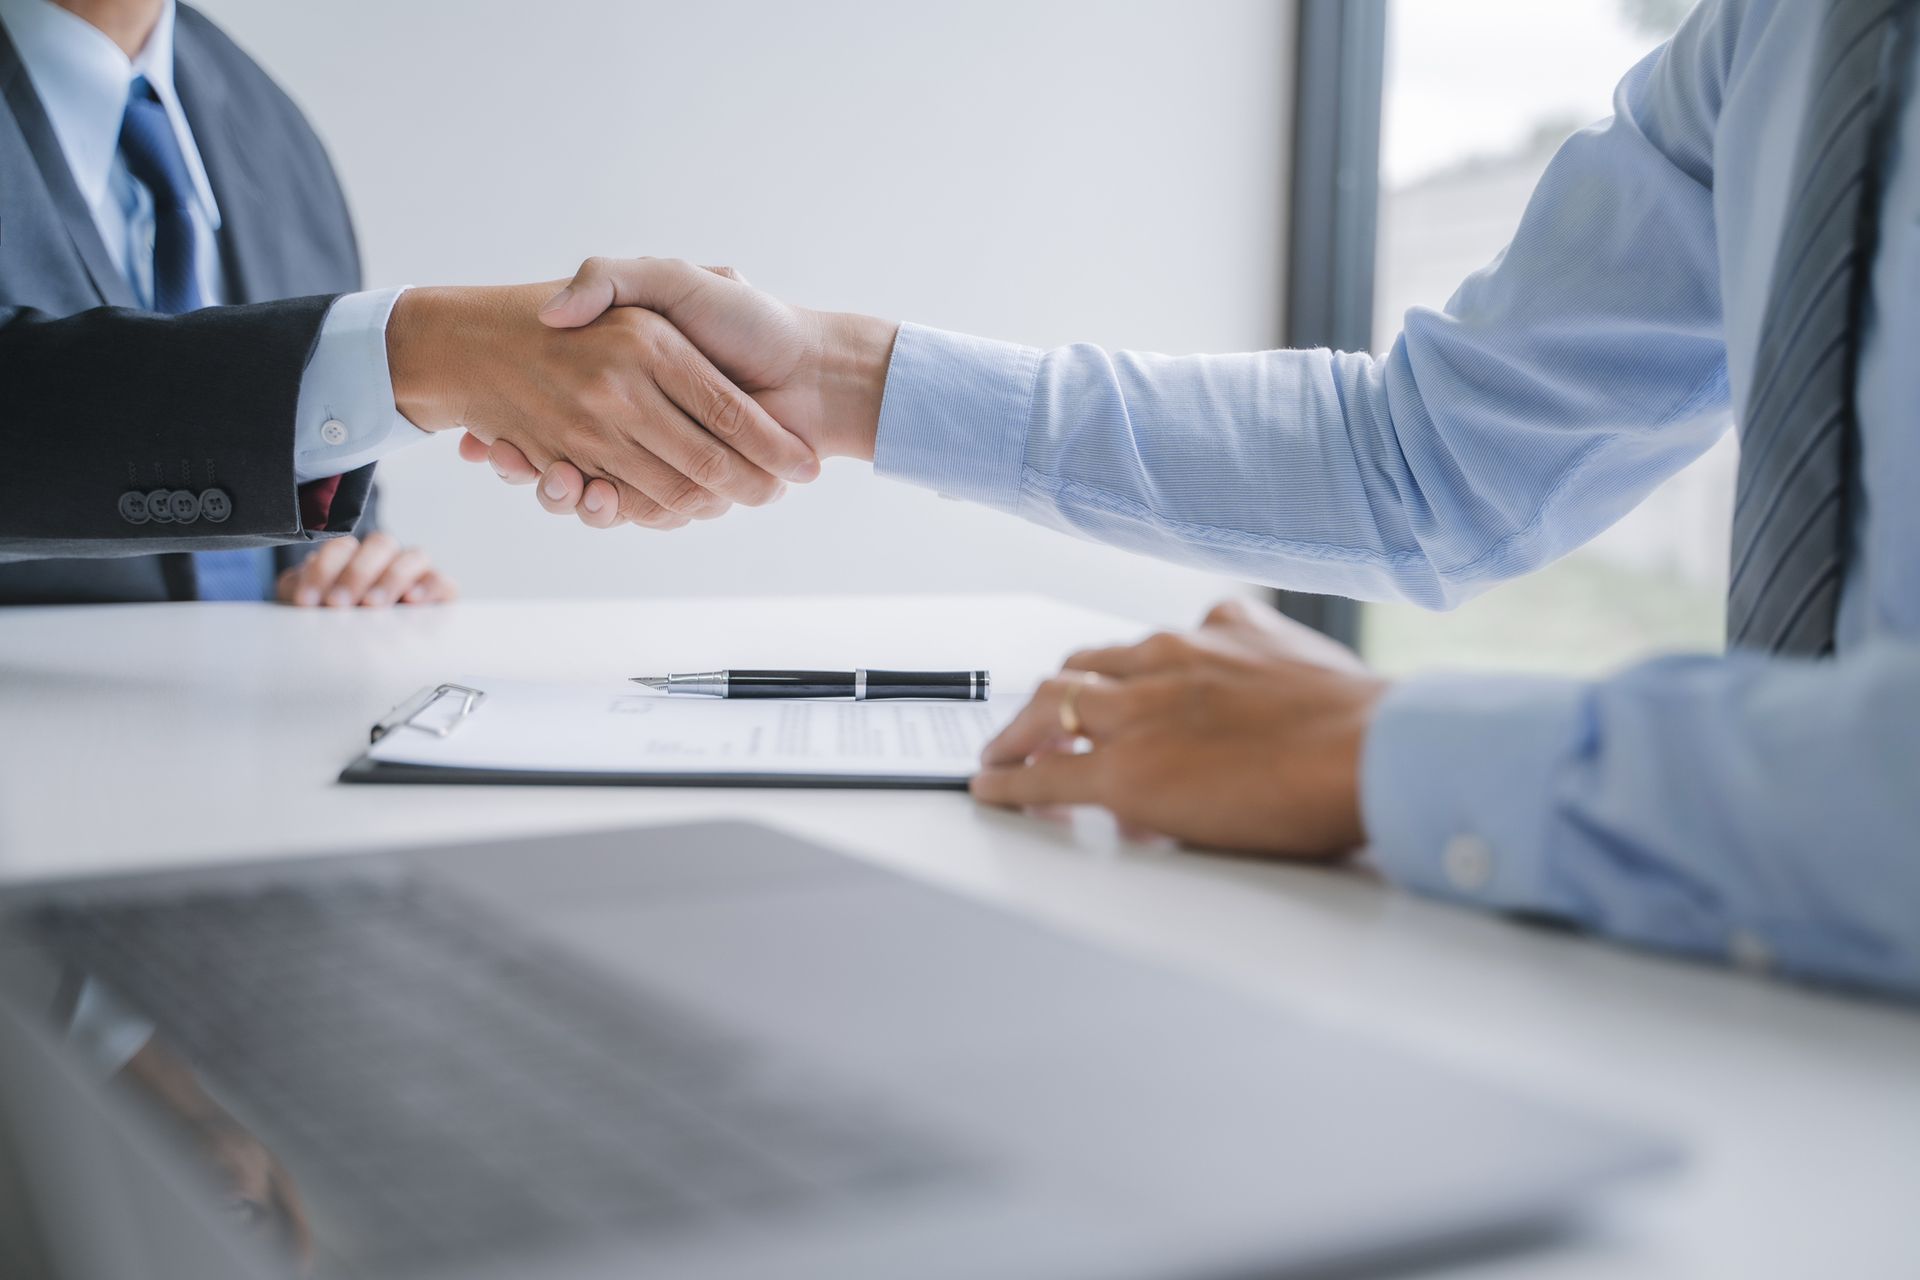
958, 686
790, 684
955, 686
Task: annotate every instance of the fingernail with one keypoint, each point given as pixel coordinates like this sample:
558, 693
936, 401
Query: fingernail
496, 468
306, 597
376, 599
557, 301
805, 471
554, 488
592, 501
338, 599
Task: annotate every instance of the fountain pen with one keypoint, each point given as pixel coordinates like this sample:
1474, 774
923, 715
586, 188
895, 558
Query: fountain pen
861, 685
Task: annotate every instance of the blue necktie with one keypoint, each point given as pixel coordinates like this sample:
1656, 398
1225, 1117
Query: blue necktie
153, 157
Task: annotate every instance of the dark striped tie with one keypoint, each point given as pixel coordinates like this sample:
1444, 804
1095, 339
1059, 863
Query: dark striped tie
1798, 442
154, 158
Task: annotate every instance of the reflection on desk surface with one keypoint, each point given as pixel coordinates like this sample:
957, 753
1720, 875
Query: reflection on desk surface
381, 1075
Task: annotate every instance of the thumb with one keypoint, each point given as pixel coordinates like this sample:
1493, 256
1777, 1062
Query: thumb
656, 283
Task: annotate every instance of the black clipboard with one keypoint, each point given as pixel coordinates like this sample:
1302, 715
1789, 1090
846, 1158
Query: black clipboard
440, 702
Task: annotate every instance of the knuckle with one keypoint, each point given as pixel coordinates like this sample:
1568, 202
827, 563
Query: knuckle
660, 347
602, 385
709, 468
725, 416
684, 495
1230, 610
638, 507
1162, 646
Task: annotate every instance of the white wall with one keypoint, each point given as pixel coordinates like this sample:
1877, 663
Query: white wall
1045, 171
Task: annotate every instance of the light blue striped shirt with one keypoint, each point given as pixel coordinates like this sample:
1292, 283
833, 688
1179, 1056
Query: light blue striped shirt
1767, 810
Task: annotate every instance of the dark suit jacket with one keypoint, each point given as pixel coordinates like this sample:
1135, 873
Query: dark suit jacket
97, 400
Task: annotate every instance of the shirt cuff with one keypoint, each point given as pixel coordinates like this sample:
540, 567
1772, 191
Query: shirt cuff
1457, 787
105, 1030
955, 413
346, 418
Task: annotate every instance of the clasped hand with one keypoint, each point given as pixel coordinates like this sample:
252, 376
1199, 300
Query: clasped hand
650, 392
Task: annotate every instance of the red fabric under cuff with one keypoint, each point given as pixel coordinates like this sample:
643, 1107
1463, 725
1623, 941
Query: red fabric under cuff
316, 503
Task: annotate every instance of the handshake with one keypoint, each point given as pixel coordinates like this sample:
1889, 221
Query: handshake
647, 391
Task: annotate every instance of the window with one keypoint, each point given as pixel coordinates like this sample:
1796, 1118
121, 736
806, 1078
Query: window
1477, 96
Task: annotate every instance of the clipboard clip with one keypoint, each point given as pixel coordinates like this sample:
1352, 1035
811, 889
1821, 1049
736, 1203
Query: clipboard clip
407, 714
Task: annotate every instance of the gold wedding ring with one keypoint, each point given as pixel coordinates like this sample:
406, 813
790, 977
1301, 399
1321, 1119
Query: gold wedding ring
1069, 714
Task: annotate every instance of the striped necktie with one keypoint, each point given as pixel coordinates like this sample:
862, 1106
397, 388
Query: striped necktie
1799, 441
154, 158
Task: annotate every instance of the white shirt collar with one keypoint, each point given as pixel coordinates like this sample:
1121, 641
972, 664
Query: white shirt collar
82, 79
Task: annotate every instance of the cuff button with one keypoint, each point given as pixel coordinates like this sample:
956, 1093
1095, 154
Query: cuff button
133, 507
158, 506
184, 505
1468, 862
333, 431
215, 505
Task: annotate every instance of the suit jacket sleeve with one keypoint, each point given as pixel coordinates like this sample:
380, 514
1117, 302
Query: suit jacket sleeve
110, 402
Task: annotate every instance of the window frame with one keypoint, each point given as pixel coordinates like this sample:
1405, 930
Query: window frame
1339, 56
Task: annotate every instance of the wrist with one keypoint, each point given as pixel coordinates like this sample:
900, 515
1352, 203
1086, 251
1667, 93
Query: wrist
853, 354
415, 359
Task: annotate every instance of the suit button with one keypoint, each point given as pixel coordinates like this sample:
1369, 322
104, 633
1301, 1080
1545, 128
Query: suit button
333, 431
185, 506
158, 506
215, 505
133, 507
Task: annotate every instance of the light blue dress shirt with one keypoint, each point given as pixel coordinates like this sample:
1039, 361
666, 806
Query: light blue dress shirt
1721, 806
346, 416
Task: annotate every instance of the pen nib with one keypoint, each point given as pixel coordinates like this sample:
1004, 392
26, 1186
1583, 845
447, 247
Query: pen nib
652, 682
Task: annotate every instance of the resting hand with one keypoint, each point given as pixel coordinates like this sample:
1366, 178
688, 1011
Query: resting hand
344, 572
257, 1185
819, 375
626, 398
1244, 735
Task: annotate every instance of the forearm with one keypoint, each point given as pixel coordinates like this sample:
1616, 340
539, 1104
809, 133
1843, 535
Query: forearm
1262, 465
1737, 807
1399, 477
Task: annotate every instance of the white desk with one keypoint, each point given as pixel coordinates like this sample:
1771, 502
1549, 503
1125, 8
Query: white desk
150, 735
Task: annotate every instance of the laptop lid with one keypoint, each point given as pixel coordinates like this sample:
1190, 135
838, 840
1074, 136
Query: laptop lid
1082, 1114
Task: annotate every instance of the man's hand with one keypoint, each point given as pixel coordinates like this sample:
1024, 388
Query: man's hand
344, 572
261, 1191
1244, 735
627, 397
819, 375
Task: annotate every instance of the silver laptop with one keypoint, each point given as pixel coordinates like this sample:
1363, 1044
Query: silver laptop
699, 1051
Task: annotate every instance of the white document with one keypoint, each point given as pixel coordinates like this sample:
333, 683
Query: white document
624, 729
